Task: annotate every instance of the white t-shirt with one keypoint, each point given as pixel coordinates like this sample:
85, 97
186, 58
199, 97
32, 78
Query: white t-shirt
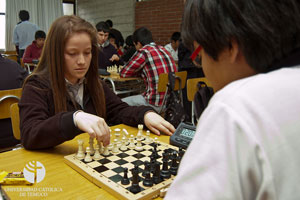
174, 53
247, 143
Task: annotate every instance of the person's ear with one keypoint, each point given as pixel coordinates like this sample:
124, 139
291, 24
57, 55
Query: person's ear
234, 51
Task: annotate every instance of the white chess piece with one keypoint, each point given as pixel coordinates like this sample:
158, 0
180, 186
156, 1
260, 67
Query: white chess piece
123, 147
131, 144
80, 153
106, 151
140, 132
139, 146
110, 146
97, 155
91, 142
88, 157
126, 134
115, 148
101, 148
148, 139
117, 136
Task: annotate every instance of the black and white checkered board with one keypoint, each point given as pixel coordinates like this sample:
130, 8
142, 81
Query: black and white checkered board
108, 171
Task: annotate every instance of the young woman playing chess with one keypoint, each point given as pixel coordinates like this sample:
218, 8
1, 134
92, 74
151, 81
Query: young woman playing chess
64, 96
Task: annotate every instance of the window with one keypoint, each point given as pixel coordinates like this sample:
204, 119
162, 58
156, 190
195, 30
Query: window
69, 7
2, 23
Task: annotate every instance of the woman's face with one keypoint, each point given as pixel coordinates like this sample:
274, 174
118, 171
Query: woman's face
78, 55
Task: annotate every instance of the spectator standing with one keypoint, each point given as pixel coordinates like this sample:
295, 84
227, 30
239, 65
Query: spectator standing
23, 33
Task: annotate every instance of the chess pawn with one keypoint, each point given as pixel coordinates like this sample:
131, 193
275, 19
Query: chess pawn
148, 139
91, 142
80, 153
139, 146
110, 147
101, 148
88, 157
97, 155
123, 147
131, 144
115, 147
105, 151
125, 179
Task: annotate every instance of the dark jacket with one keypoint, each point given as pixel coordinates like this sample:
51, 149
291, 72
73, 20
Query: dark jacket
42, 128
128, 54
11, 77
105, 54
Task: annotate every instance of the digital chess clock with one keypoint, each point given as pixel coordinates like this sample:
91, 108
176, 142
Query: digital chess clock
183, 135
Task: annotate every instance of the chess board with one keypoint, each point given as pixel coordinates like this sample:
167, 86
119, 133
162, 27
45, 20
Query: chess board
108, 171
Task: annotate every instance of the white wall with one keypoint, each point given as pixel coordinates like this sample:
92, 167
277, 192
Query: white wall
121, 12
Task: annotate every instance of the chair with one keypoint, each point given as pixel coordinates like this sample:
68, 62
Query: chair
8, 97
191, 91
11, 55
163, 81
15, 120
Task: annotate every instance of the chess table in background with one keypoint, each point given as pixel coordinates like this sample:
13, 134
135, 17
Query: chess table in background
122, 86
108, 172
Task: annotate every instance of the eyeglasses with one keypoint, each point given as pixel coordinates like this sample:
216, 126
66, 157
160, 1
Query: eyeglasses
195, 56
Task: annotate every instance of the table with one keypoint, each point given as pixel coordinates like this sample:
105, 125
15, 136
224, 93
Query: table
61, 181
124, 85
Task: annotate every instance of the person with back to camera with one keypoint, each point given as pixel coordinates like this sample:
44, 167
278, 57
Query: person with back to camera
149, 61
64, 96
247, 141
23, 33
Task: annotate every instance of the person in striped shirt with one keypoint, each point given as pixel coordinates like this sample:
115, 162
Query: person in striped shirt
148, 62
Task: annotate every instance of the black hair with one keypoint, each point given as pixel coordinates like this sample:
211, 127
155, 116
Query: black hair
40, 34
266, 31
24, 15
102, 26
142, 35
175, 36
111, 36
109, 23
129, 41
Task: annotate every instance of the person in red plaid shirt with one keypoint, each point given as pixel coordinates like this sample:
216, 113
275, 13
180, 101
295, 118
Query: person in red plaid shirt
149, 61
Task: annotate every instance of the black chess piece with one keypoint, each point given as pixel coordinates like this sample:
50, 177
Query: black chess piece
174, 165
147, 168
165, 173
125, 179
152, 163
156, 174
135, 188
148, 182
180, 154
